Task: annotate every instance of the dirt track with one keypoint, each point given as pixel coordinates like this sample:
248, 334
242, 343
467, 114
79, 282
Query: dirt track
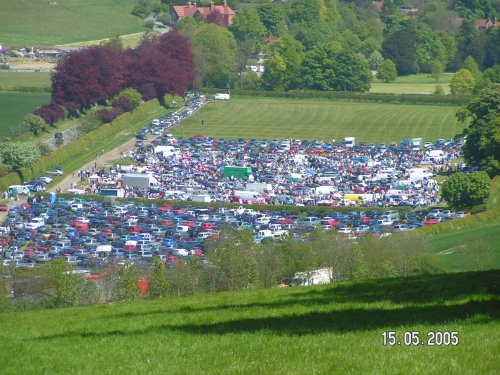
103, 160
65, 184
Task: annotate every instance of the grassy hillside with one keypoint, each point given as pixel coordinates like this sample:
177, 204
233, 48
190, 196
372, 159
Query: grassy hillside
412, 84
45, 23
321, 119
14, 106
464, 249
304, 330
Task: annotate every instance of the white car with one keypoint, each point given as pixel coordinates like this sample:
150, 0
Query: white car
46, 179
344, 229
385, 222
57, 172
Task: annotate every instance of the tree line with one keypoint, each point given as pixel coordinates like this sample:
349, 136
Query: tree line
330, 45
236, 262
96, 75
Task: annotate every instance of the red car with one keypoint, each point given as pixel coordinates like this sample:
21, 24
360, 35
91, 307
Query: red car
207, 226
172, 259
432, 221
4, 207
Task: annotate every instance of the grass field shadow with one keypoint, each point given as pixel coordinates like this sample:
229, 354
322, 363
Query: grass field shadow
435, 299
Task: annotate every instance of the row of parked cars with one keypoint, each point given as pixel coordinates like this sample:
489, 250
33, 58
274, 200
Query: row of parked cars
88, 233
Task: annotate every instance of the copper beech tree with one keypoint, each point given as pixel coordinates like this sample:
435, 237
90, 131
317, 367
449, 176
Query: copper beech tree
159, 66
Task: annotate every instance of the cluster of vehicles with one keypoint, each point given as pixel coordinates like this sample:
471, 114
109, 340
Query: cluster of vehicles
160, 125
297, 172
89, 233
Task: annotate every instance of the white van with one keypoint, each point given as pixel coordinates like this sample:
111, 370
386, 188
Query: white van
221, 96
21, 189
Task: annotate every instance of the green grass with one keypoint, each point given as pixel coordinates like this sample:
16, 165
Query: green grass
464, 249
14, 106
25, 79
129, 41
38, 23
412, 84
333, 329
252, 117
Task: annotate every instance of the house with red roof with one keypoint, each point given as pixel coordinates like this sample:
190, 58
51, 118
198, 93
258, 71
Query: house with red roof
179, 12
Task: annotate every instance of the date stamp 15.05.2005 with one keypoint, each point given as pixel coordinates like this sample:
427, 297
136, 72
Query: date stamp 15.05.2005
416, 338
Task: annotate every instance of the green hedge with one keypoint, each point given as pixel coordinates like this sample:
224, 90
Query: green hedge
356, 97
258, 207
25, 88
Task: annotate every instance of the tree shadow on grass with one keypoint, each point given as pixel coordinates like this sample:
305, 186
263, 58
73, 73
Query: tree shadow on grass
340, 321
430, 289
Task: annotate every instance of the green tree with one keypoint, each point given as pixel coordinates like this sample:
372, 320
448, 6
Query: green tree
270, 266
158, 280
319, 33
19, 155
335, 252
375, 60
215, 52
183, 280
297, 257
482, 147
273, 17
429, 48
463, 191
132, 95
387, 71
234, 258
165, 19
114, 42
282, 66
351, 72
34, 123
399, 46
462, 83
350, 41
307, 12
436, 70
318, 68
471, 65
438, 90
141, 9
370, 46
63, 281
248, 26
251, 81
479, 187
492, 75
126, 287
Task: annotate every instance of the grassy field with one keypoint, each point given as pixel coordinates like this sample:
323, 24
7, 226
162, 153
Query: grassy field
129, 41
252, 117
46, 23
304, 330
474, 248
412, 84
14, 106
25, 79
